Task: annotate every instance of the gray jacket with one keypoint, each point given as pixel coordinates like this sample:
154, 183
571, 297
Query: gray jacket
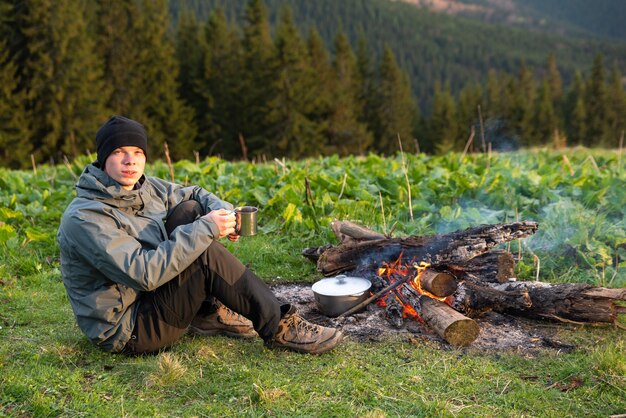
114, 246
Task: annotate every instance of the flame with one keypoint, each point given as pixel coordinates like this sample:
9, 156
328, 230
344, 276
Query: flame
397, 271
416, 283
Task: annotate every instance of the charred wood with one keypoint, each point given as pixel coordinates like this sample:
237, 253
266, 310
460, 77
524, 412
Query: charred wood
410, 297
568, 301
314, 253
394, 310
450, 248
495, 266
475, 300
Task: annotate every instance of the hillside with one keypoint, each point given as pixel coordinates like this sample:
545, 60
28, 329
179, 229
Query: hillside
603, 18
432, 46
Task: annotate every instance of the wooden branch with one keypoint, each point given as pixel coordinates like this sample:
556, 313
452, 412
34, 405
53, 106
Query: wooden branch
346, 231
32, 161
482, 130
166, 150
469, 142
406, 178
244, 147
372, 298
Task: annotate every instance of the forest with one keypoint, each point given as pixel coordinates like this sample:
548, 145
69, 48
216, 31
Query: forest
258, 88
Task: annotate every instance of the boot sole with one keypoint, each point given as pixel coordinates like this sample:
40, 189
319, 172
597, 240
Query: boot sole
212, 332
322, 348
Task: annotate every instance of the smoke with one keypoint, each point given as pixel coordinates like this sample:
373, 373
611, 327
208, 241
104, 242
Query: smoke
466, 214
499, 135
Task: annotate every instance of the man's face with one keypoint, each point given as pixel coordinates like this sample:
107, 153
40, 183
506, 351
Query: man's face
125, 165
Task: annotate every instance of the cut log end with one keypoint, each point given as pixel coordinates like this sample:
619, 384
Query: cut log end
454, 327
462, 333
438, 283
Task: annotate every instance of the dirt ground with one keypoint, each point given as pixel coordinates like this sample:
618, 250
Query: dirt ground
498, 332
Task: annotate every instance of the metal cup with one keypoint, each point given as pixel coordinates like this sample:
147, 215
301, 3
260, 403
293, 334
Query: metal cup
245, 217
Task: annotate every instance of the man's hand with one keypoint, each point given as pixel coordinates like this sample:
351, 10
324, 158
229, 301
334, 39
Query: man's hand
225, 221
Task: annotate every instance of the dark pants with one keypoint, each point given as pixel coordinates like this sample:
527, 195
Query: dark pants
165, 313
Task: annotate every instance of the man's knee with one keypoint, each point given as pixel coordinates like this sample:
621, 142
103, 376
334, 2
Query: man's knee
184, 213
220, 261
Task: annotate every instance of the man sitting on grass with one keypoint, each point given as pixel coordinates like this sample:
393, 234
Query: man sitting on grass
142, 264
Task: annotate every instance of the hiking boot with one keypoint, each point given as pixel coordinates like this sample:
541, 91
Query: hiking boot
296, 333
225, 322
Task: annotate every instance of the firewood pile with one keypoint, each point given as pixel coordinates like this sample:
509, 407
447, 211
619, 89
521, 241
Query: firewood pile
448, 281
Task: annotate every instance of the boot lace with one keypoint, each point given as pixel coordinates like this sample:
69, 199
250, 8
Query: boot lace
300, 325
228, 314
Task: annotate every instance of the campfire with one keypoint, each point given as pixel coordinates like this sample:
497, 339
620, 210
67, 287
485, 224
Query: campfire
451, 282
397, 276
420, 294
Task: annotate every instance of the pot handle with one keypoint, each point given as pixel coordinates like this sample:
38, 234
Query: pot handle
341, 278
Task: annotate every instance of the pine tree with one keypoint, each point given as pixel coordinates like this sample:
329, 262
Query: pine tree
366, 85
617, 107
346, 135
575, 112
555, 83
396, 110
501, 93
522, 108
295, 134
15, 146
189, 54
493, 97
220, 114
258, 82
321, 90
470, 98
116, 28
545, 119
166, 117
596, 105
60, 77
443, 123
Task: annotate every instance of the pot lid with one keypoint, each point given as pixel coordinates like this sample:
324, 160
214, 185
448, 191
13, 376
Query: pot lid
341, 286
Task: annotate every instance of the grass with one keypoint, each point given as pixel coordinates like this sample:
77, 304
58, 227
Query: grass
48, 368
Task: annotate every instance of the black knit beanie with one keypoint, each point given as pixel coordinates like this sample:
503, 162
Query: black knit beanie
118, 132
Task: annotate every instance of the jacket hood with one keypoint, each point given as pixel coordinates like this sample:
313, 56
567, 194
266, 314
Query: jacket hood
95, 184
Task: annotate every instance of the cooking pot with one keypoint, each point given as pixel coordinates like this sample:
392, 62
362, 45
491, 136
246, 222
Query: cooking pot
336, 295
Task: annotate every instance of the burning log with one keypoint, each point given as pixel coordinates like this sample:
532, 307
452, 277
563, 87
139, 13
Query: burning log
394, 309
452, 326
410, 299
438, 283
377, 295
450, 248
